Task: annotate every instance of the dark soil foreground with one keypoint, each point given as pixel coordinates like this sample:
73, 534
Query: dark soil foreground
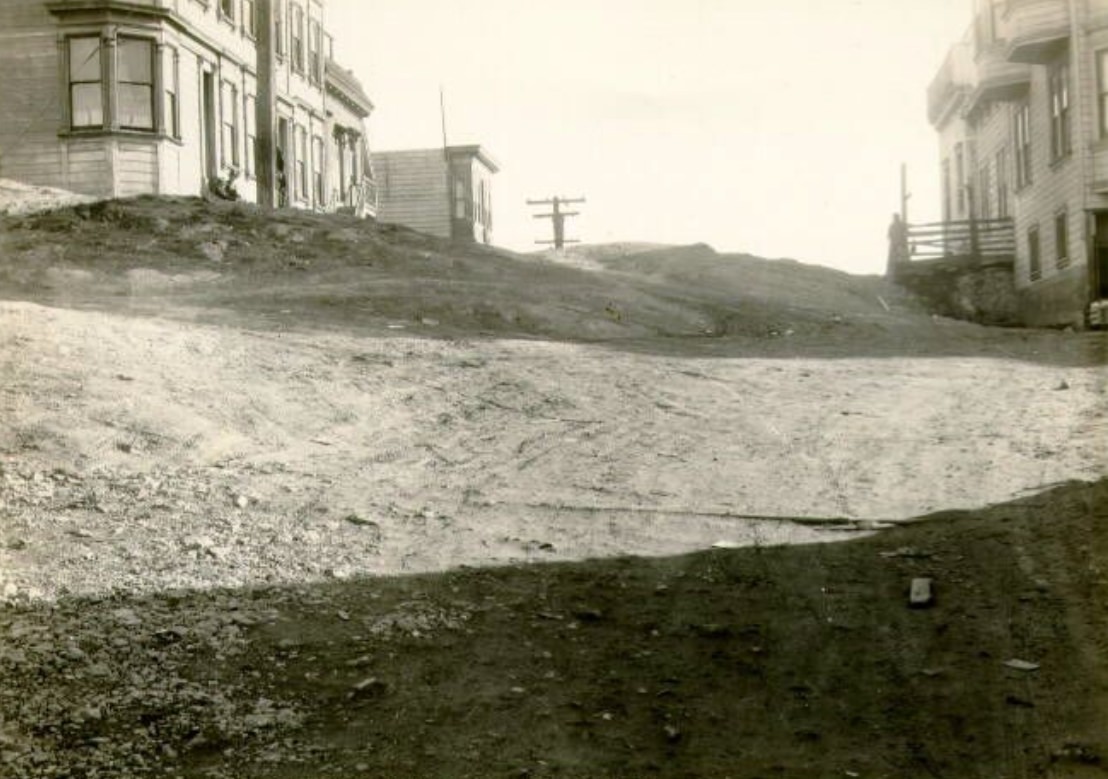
763, 662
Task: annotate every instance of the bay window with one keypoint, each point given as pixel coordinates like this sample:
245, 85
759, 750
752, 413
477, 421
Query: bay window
116, 84
135, 77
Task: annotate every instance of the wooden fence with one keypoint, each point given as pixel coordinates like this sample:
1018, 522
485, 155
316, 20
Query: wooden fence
974, 239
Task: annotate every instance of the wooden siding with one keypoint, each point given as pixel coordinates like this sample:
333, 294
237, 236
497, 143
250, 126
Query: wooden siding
136, 168
413, 190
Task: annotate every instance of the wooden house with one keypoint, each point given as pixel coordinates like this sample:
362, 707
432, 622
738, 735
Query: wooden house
445, 192
114, 98
1022, 116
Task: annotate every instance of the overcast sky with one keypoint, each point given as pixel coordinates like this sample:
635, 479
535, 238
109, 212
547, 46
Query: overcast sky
774, 127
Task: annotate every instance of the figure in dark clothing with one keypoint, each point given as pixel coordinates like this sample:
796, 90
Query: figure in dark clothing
898, 245
282, 182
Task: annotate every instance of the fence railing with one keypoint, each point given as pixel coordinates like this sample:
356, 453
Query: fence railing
975, 239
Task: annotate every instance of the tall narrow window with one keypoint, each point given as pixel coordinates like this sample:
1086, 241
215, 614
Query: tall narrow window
172, 118
1061, 242
227, 9
984, 191
315, 65
1059, 111
317, 169
229, 113
946, 189
1023, 145
279, 29
86, 102
1102, 90
249, 18
298, 38
1002, 183
301, 163
960, 177
136, 83
249, 121
1034, 258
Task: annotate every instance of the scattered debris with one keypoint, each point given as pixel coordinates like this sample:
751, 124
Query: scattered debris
921, 593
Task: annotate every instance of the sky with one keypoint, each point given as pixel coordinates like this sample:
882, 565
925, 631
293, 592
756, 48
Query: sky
773, 127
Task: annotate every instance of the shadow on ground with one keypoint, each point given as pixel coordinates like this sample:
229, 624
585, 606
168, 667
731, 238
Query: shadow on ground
783, 661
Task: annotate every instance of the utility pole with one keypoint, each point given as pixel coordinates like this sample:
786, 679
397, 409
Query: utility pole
557, 217
905, 195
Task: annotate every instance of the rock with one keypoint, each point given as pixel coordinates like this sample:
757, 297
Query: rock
241, 501
360, 662
369, 687
672, 733
1021, 665
212, 250
921, 594
127, 617
1062, 385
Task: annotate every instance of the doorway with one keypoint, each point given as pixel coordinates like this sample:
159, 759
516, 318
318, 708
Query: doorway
1098, 269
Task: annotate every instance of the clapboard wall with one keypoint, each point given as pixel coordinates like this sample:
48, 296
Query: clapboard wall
413, 190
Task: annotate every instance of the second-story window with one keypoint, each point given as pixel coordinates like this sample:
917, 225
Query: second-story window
1059, 111
227, 9
1102, 90
1061, 241
1022, 143
279, 29
298, 38
315, 68
249, 18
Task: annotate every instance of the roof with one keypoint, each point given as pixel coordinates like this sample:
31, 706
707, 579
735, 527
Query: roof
475, 150
345, 84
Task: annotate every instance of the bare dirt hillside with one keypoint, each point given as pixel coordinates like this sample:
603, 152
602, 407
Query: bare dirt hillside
292, 495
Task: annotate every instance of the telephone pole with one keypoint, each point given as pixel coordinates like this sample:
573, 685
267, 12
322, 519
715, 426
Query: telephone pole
558, 218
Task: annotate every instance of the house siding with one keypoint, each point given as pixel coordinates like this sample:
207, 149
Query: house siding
414, 190
37, 147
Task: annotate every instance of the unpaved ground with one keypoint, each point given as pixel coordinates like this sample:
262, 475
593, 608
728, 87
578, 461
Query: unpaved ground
246, 460
136, 449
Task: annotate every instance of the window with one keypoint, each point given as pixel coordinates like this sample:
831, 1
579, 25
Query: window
317, 169
1023, 145
461, 202
1061, 242
984, 191
135, 96
960, 177
1102, 90
1034, 261
249, 18
298, 38
1059, 111
301, 163
227, 9
172, 119
279, 30
1002, 183
86, 101
228, 110
946, 189
314, 43
250, 123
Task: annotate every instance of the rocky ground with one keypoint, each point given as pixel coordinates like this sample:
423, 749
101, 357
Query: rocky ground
289, 495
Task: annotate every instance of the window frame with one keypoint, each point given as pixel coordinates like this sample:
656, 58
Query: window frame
100, 81
315, 51
249, 19
1061, 240
296, 32
225, 10
1022, 144
280, 29
171, 90
1002, 182
152, 85
250, 132
318, 183
301, 162
229, 125
1059, 104
1034, 254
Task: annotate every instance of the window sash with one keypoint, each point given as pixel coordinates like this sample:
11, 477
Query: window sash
1034, 259
86, 98
1061, 241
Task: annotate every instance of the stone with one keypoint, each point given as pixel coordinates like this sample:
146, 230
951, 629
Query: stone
212, 250
1021, 665
921, 593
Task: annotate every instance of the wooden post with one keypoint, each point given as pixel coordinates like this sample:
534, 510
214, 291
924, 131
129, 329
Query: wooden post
557, 217
265, 105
